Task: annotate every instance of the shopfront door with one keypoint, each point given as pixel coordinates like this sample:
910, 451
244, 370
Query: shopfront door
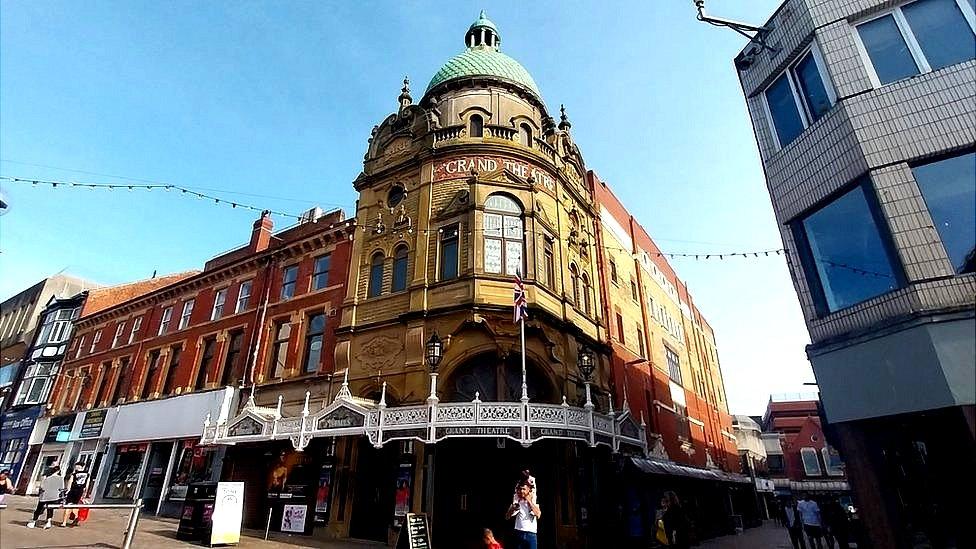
474, 481
152, 486
375, 487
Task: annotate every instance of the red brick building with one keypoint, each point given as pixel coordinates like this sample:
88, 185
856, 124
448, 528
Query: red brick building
140, 375
803, 460
665, 364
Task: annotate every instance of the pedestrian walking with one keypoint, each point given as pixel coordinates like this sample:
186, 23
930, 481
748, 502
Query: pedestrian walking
676, 524
526, 513
6, 485
50, 493
77, 486
837, 524
794, 524
812, 524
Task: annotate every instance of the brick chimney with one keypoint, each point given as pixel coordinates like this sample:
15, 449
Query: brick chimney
261, 233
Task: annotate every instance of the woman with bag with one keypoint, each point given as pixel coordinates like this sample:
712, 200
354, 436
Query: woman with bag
77, 483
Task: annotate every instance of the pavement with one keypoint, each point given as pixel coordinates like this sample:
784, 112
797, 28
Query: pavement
104, 530
767, 536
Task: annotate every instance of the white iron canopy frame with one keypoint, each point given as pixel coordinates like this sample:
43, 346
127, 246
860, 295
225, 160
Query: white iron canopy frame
523, 422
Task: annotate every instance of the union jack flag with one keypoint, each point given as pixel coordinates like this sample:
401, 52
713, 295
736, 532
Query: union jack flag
521, 307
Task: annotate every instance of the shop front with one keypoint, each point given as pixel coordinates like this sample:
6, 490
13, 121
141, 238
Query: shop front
154, 455
51, 453
15, 438
357, 466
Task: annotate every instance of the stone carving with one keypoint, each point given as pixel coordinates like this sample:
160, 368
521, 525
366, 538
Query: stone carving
577, 416
380, 353
434, 114
602, 424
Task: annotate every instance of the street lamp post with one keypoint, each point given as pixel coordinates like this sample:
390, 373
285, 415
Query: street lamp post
433, 353
586, 365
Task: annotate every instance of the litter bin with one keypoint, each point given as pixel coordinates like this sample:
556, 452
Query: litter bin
196, 518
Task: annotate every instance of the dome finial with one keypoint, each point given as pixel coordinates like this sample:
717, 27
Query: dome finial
482, 33
564, 123
405, 99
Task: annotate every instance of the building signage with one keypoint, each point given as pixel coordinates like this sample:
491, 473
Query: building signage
92, 426
59, 429
341, 418
19, 424
228, 513
415, 534
245, 427
558, 432
461, 167
478, 431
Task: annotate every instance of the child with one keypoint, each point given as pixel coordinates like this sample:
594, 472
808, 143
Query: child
490, 542
526, 478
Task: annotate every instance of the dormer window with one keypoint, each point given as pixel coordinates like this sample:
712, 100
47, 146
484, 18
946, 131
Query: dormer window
476, 126
525, 135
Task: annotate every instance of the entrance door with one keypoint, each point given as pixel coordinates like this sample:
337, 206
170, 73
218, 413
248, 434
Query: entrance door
374, 489
152, 488
474, 483
45, 462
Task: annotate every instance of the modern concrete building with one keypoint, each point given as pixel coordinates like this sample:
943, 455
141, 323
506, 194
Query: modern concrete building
865, 119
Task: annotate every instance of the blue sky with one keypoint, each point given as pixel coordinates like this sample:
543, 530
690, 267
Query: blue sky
272, 103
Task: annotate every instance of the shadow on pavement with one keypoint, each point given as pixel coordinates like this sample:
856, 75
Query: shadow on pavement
86, 546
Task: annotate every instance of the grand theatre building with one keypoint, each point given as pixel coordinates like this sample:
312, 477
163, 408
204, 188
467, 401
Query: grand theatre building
437, 397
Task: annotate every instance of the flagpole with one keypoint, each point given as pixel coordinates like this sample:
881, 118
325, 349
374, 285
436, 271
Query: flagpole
525, 386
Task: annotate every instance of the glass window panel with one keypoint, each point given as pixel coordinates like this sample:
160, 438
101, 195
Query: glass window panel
375, 276
513, 257
784, 111
513, 227
313, 354
493, 224
887, 49
502, 203
949, 188
848, 251
942, 32
811, 465
449, 259
36, 389
321, 276
812, 87
493, 255
400, 270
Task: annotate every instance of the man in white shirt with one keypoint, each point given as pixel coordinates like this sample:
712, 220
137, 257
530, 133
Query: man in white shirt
794, 525
810, 516
526, 513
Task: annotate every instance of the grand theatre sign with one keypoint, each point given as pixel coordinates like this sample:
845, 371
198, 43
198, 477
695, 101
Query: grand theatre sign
523, 422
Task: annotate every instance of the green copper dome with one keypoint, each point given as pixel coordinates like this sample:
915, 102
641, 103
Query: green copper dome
482, 58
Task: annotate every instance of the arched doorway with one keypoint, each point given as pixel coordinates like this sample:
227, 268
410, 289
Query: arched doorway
474, 478
495, 378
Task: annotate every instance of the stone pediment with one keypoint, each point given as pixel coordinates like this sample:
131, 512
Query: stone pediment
459, 203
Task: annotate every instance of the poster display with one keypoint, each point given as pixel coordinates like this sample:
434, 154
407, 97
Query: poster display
289, 476
323, 492
293, 518
228, 513
404, 485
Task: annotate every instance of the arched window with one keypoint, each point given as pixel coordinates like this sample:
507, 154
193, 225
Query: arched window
504, 237
476, 126
375, 275
525, 135
586, 294
574, 275
399, 269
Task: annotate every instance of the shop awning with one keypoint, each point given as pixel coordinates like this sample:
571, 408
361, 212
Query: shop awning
658, 467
